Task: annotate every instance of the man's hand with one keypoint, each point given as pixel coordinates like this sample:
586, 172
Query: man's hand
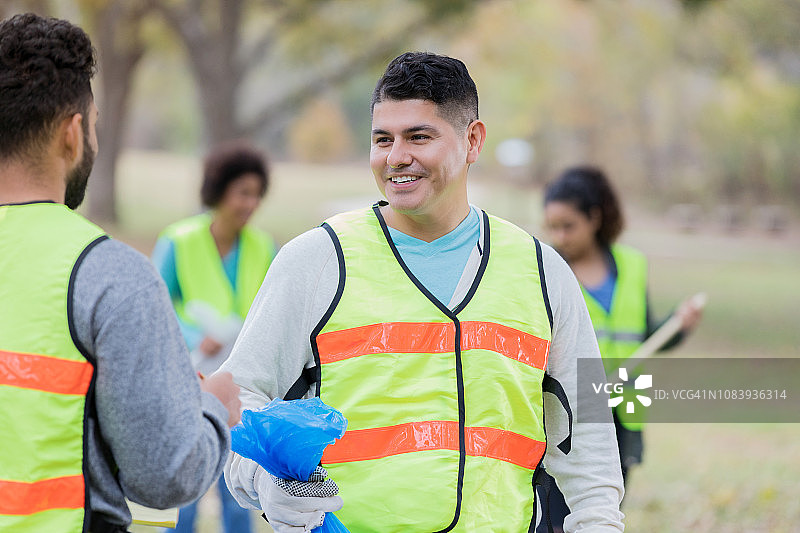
297, 506
222, 386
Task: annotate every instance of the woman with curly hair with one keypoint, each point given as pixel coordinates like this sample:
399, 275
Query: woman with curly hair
584, 219
213, 265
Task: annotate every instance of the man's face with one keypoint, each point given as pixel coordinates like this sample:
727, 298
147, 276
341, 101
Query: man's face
78, 176
418, 159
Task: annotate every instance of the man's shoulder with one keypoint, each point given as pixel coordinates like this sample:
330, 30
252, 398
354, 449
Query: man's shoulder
314, 242
113, 261
109, 274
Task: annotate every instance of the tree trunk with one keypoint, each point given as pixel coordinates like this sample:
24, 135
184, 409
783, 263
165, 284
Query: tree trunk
102, 196
217, 88
120, 51
212, 50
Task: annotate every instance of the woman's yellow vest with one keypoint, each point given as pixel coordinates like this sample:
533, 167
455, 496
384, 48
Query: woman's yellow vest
622, 329
444, 408
45, 378
201, 275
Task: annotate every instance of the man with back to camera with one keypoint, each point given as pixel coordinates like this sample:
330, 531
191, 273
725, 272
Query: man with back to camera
98, 399
429, 324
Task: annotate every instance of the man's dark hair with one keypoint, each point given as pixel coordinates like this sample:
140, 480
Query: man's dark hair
46, 67
227, 162
442, 80
588, 189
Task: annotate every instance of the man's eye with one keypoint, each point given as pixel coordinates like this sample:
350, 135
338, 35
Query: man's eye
419, 137
382, 140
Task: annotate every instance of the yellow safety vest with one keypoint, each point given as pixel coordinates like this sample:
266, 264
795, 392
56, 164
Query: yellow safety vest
45, 378
622, 329
200, 272
445, 413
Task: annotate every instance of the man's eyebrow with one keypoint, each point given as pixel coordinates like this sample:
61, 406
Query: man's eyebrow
407, 131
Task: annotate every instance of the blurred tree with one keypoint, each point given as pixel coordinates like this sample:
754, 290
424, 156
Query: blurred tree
10, 7
320, 133
325, 41
683, 101
679, 101
116, 26
306, 46
750, 128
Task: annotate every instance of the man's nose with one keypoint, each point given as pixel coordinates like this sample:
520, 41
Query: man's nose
399, 156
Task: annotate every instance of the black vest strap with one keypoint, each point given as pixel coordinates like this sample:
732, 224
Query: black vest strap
552, 385
303, 384
544, 480
98, 524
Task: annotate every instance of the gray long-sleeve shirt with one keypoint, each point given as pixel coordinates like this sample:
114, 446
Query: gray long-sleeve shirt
168, 439
273, 348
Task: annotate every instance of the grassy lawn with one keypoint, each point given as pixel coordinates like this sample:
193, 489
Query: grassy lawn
696, 477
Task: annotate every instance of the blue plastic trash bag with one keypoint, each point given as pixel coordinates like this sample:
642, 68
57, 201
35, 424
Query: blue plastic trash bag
287, 438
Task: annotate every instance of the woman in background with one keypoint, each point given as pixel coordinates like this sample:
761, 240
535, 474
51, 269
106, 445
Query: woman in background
213, 265
583, 218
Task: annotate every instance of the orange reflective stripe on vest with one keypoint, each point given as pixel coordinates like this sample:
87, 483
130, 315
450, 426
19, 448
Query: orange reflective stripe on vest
19, 498
49, 374
432, 337
374, 443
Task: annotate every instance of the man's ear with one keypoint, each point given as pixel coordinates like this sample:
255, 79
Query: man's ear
71, 137
476, 135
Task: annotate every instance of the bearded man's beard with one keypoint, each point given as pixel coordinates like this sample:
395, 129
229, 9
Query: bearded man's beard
78, 177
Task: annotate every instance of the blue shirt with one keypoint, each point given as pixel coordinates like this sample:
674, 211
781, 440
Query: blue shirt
439, 264
604, 292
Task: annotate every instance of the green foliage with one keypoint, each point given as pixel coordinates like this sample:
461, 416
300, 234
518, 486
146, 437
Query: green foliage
644, 90
443, 9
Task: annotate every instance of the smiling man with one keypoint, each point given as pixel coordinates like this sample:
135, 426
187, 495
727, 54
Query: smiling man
436, 329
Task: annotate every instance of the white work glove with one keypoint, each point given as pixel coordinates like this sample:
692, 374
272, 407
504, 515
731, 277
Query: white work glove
240, 476
297, 506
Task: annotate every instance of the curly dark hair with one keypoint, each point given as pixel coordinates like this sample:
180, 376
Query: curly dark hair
229, 161
587, 188
440, 79
46, 67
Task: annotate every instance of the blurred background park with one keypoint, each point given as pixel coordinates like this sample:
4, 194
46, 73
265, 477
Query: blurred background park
691, 107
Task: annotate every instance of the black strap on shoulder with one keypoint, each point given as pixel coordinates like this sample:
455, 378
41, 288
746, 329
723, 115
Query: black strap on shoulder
552, 385
303, 384
543, 281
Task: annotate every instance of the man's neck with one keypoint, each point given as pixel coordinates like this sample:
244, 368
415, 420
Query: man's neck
20, 184
426, 228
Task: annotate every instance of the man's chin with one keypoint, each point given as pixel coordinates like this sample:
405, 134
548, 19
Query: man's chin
404, 204
75, 193
78, 179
